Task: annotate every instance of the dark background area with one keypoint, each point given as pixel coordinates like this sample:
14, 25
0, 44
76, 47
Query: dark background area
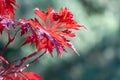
98, 45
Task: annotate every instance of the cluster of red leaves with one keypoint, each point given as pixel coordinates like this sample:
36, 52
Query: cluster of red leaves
5, 23
21, 76
47, 35
7, 11
15, 72
8, 7
52, 31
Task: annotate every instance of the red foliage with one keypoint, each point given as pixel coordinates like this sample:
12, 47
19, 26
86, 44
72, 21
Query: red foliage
7, 12
24, 26
8, 7
5, 23
22, 76
51, 33
47, 35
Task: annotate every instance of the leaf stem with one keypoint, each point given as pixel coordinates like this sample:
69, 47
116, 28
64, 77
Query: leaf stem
10, 40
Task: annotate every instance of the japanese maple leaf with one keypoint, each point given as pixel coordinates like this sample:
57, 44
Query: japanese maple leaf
24, 26
8, 7
51, 33
5, 23
7, 10
21, 76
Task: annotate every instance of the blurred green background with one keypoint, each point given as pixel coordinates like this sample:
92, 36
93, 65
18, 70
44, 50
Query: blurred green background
98, 45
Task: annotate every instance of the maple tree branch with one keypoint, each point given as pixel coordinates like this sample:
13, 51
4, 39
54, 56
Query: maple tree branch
37, 58
28, 57
20, 66
10, 40
4, 49
22, 60
27, 65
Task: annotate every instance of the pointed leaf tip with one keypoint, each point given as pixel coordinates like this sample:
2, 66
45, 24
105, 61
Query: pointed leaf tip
36, 9
76, 52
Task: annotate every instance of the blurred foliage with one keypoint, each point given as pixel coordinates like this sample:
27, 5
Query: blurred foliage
98, 45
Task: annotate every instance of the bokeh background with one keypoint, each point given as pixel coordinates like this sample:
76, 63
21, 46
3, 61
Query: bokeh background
98, 45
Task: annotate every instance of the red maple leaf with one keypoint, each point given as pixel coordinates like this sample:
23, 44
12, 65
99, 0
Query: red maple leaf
21, 76
7, 10
5, 22
24, 26
51, 34
32, 76
8, 7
